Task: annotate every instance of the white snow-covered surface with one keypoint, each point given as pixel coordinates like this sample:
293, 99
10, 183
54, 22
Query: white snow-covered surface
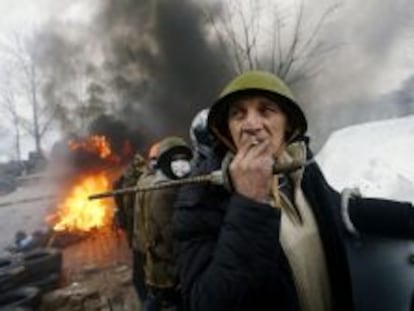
28, 216
376, 157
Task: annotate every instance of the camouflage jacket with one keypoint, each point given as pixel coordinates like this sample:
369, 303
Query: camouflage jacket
125, 203
153, 231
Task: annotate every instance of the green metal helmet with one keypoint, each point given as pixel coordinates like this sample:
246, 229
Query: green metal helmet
168, 148
256, 83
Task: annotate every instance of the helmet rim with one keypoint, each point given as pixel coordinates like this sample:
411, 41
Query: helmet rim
218, 123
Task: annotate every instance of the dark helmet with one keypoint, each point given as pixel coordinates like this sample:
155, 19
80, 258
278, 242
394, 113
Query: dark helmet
261, 83
169, 148
200, 136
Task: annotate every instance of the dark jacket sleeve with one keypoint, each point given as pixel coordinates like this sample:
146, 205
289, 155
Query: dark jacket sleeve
225, 253
385, 218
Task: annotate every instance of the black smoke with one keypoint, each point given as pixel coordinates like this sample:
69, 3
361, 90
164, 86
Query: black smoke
123, 142
179, 71
118, 133
154, 64
150, 64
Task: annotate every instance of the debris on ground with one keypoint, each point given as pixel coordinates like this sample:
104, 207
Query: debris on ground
96, 289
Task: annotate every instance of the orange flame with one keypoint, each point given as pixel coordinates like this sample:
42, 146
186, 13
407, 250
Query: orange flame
94, 144
77, 213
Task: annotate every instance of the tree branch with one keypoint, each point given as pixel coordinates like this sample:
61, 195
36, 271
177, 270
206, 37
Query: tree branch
292, 50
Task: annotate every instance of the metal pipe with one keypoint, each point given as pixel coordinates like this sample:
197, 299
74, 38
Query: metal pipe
215, 178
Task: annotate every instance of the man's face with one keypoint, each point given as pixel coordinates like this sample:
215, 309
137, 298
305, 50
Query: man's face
257, 118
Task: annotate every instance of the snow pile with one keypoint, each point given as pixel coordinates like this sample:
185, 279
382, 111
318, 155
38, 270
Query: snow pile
377, 157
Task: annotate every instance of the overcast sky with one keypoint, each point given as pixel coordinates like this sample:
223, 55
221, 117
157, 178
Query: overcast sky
26, 15
23, 13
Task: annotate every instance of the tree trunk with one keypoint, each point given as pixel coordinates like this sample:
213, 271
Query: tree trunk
18, 148
36, 133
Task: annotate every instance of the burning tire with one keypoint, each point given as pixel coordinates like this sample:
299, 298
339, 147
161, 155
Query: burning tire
20, 297
11, 274
47, 283
40, 263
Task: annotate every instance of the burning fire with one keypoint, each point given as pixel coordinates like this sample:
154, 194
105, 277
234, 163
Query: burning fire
100, 146
96, 144
77, 213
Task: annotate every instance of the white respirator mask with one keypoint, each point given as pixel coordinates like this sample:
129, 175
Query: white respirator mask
180, 167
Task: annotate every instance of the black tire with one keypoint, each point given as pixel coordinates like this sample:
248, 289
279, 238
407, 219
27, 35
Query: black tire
41, 262
12, 274
46, 284
6, 263
20, 297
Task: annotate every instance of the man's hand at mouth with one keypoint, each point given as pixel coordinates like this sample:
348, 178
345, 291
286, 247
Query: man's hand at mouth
251, 169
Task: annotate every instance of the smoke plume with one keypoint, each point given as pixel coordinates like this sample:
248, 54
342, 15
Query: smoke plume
367, 77
153, 65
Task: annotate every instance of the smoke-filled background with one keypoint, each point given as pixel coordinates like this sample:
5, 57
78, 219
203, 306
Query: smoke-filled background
369, 76
151, 65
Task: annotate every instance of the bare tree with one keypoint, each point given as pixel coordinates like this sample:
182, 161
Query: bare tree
8, 106
75, 88
21, 51
263, 35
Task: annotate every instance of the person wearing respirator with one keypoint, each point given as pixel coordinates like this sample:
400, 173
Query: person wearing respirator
153, 226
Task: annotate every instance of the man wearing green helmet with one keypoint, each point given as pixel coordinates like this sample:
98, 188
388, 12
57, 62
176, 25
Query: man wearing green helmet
266, 241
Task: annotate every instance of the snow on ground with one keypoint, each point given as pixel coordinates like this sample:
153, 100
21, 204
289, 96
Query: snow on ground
376, 157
